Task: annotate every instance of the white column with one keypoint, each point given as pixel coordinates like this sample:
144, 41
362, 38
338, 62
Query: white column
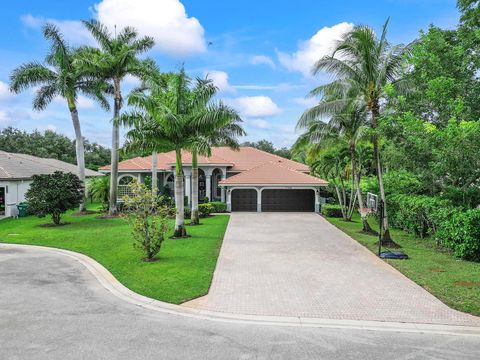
208, 186
223, 189
188, 188
259, 200
317, 200
228, 192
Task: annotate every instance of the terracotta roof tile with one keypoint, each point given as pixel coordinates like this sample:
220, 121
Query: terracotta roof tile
272, 173
238, 160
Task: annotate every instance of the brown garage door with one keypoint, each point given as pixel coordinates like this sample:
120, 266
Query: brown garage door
288, 200
244, 200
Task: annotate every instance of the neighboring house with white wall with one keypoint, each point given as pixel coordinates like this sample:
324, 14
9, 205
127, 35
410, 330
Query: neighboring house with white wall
16, 171
247, 179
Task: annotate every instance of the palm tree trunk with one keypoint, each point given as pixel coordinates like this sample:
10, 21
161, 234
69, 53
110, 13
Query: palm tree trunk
387, 240
180, 230
356, 175
112, 209
154, 173
195, 219
79, 148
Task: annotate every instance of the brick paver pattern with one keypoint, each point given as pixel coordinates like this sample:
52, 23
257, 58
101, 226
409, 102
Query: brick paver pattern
298, 264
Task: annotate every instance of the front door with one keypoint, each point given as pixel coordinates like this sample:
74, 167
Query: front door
2, 201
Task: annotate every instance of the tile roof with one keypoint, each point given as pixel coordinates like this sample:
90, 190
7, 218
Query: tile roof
278, 172
22, 166
237, 160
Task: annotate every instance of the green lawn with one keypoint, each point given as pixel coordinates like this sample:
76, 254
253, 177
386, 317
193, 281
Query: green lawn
455, 282
184, 271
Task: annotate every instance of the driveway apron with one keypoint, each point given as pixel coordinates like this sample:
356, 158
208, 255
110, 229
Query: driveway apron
299, 265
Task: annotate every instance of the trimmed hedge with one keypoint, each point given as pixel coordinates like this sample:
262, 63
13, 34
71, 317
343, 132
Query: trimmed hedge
205, 209
218, 206
461, 234
417, 214
452, 227
332, 210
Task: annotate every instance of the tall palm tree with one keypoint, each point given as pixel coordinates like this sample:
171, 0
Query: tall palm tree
365, 65
165, 117
347, 125
59, 77
220, 125
116, 58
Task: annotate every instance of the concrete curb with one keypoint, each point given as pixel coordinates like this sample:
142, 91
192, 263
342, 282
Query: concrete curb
109, 282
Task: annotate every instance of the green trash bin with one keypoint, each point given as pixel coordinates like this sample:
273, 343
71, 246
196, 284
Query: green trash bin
22, 209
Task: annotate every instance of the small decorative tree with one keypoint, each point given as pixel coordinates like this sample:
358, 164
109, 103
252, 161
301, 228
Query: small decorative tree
54, 194
99, 189
148, 218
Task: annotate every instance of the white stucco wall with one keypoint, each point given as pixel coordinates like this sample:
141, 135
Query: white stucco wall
15, 193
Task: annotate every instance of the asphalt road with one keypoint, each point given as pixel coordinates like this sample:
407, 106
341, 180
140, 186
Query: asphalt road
51, 307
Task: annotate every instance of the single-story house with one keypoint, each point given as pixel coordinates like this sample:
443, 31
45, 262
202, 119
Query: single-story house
247, 179
16, 171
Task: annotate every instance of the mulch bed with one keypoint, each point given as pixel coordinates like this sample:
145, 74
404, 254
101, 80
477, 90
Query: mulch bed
86, 212
54, 225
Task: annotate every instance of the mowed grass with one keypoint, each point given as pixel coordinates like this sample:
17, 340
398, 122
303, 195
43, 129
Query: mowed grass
184, 270
454, 281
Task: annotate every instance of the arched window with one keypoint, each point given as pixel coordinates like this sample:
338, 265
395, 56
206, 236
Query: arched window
123, 188
125, 180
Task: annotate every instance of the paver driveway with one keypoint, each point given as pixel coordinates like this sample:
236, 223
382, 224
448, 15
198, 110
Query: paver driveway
298, 264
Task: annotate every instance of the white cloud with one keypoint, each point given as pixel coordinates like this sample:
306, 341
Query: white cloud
73, 30
220, 80
166, 21
85, 103
49, 127
259, 123
305, 102
254, 106
82, 102
319, 45
262, 59
5, 93
5, 119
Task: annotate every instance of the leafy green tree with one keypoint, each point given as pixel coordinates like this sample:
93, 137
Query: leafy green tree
60, 77
49, 144
444, 78
116, 58
267, 146
150, 222
364, 66
54, 194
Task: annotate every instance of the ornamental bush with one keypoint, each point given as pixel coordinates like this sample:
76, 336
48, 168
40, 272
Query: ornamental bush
219, 206
332, 210
54, 194
205, 209
150, 221
461, 234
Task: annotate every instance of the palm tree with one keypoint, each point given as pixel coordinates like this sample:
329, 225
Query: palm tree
347, 125
329, 160
365, 65
116, 58
59, 77
166, 117
220, 125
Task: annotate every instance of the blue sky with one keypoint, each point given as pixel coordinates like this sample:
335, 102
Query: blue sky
258, 52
